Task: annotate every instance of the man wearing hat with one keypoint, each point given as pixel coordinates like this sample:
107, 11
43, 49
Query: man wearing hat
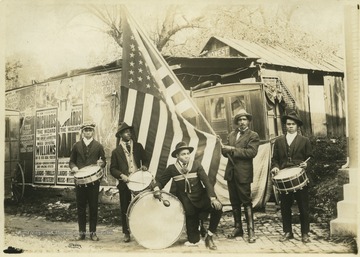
292, 150
87, 152
128, 157
242, 147
194, 191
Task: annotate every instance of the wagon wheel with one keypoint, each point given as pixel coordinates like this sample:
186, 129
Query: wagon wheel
18, 184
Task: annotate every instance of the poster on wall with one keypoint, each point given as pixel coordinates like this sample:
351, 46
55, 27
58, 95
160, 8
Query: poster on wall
69, 134
45, 142
27, 134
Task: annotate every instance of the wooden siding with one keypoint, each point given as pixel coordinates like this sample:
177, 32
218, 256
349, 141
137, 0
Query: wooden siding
335, 105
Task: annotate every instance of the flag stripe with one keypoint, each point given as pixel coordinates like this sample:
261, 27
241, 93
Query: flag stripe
152, 129
138, 111
130, 107
183, 106
146, 118
215, 162
167, 81
178, 98
168, 139
172, 90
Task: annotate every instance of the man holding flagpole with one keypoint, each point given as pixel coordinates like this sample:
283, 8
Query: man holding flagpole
243, 147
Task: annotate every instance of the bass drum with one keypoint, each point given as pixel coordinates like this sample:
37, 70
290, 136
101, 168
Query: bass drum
152, 224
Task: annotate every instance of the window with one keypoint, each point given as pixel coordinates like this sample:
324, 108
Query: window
217, 106
237, 103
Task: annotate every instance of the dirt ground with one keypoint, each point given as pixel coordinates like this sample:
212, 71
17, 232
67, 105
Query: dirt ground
36, 234
47, 223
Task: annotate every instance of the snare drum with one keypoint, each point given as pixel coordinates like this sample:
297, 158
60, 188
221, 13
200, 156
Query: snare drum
139, 181
153, 225
88, 174
290, 180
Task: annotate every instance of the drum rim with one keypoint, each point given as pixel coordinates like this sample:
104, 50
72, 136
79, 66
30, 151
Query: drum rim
99, 171
302, 171
295, 188
147, 192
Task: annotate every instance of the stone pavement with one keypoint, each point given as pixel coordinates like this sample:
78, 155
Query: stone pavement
35, 234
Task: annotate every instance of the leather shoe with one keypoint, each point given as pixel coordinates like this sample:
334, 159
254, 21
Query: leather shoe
209, 243
252, 238
305, 238
126, 238
80, 237
94, 237
236, 232
287, 236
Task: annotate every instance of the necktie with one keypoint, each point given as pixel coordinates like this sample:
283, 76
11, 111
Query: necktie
239, 133
128, 147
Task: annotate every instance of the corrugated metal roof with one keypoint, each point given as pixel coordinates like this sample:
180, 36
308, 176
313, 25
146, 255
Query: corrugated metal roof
279, 56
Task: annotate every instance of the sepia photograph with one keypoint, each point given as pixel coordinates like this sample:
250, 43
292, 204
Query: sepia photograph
180, 127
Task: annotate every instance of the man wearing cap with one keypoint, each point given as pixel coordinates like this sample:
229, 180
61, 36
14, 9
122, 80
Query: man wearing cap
292, 150
84, 153
194, 191
128, 157
242, 147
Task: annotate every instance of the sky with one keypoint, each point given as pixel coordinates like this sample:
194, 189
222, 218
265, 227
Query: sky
65, 36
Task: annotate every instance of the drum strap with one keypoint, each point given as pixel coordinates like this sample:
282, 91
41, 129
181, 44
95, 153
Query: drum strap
184, 174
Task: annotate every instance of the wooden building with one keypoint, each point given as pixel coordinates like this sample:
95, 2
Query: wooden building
316, 91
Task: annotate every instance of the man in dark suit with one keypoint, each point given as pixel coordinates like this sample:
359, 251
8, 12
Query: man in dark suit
242, 147
87, 152
128, 157
292, 150
195, 192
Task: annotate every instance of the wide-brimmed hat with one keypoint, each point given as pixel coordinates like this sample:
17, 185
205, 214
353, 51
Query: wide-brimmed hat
241, 113
90, 125
181, 146
292, 116
122, 127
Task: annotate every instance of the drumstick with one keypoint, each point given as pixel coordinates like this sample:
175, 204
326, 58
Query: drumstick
132, 181
307, 160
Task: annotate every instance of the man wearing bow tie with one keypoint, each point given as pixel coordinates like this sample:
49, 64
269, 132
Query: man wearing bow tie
242, 147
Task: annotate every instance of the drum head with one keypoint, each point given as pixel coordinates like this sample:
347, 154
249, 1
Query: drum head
87, 171
139, 181
153, 225
288, 173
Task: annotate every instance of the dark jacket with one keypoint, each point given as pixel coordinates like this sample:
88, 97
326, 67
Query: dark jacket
200, 190
299, 150
119, 164
78, 155
246, 148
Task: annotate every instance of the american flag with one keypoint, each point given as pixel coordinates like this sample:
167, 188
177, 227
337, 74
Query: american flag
156, 104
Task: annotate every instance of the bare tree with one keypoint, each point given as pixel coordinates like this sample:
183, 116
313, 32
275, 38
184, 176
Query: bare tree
173, 23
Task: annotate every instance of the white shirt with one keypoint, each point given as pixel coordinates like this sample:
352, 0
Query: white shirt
129, 156
290, 137
87, 141
238, 134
